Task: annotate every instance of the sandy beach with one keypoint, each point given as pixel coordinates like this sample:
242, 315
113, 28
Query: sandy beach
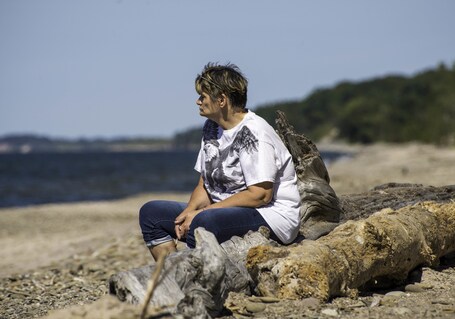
45, 247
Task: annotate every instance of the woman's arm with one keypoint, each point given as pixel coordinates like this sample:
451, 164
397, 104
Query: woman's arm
199, 199
254, 196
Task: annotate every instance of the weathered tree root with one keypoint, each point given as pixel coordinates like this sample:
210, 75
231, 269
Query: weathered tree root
320, 211
388, 244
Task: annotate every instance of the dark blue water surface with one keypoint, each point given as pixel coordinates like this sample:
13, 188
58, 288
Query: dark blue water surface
37, 178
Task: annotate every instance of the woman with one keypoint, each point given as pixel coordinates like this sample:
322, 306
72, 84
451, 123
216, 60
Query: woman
247, 177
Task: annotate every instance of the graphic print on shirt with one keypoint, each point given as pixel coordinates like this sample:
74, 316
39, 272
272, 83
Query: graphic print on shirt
222, 166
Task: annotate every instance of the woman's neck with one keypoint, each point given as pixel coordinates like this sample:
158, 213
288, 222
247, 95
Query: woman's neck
232, 119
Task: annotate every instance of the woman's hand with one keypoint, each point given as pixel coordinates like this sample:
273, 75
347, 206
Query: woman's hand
183, 222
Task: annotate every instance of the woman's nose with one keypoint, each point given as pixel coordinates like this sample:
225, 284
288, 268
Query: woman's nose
198, 101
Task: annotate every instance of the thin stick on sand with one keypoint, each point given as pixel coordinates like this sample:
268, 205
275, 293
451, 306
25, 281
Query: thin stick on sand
152, 284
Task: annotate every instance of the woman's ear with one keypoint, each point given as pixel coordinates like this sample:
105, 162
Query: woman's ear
223, 100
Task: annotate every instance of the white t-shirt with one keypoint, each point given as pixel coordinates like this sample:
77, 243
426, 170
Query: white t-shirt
250, 153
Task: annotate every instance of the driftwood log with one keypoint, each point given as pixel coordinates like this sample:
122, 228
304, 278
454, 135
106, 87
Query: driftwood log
195, 283
387, 245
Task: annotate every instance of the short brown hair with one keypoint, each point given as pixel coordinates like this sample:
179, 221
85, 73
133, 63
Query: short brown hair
217, 79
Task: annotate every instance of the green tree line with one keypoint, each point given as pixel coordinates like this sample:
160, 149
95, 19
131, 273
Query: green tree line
392, 109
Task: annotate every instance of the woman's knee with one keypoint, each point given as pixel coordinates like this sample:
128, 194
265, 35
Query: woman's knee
148, 210
145, 210
156, 220
199, 220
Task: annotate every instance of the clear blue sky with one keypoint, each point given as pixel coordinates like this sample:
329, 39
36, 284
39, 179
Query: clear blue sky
109, 68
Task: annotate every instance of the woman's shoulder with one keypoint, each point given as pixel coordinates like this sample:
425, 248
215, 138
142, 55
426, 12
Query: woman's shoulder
258, 125
255, 120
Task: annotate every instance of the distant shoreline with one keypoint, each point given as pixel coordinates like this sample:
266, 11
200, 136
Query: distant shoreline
109, 149
37, 178
24, 144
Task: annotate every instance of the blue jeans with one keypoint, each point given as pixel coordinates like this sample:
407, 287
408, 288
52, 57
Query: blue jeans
156, 219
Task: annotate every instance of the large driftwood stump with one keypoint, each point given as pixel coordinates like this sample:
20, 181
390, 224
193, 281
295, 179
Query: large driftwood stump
320, 211
388, 244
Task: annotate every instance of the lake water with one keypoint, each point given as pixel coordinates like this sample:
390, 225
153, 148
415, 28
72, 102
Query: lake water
37, 178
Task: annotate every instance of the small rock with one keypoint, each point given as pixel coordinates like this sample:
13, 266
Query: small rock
441, 302
255, 307
376, 301
414, 288
395, 293
330, 312
449, 309
358, 304
264, 299
426, 286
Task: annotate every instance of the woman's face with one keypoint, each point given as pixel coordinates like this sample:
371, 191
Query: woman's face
208, 107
